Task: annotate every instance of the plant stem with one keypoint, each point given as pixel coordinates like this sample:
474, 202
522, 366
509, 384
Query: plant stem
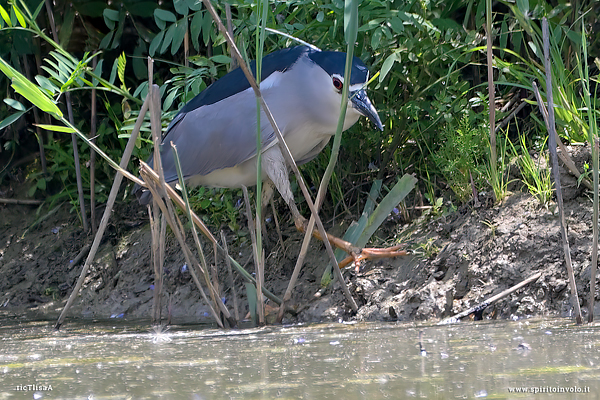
555, 171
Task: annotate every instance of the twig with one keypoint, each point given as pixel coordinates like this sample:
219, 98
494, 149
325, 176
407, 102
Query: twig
153, 213
236, 310
77, 164
277, 227
80, 255
491, 94
260, 306
555, 171
234, 63
482, 306
93, 126
512, 115
107, 211
594, 265
21, 202
157, 238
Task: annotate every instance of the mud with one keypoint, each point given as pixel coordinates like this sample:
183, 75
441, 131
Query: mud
458, 260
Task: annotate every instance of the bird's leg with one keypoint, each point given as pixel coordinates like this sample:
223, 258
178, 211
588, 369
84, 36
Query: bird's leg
265, 198
276, 170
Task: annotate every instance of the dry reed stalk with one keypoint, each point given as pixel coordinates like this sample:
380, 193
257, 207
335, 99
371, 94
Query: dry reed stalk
168, 212
93, 123
258, 259
236, 310
553, 156
151, 175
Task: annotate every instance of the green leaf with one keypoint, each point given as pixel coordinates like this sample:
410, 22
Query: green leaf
221, 59
376, 38
15, 104
155, 43
47, 84
106, 41
396, 24
387, 65
110, 17
181, 7
523, 6
320, 16
113, 72
195, 28
98, 72
138, 63
142, 9
168, 38
194, 5
56, 128
178, 35
169, 99
5, 16
28, 90
164, 15
66, 28
10, 119
385, 207
19, 16
206, 27
121, 62
41, 184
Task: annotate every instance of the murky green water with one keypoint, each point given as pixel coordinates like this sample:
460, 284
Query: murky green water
116, 360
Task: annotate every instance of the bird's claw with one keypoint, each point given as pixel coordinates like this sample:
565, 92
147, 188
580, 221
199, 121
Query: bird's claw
371, 254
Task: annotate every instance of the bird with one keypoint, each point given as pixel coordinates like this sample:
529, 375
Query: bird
215, 132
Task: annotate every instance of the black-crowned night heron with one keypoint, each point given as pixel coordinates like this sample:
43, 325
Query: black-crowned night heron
215, 133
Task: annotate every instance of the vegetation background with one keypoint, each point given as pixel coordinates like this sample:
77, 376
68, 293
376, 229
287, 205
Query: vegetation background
89, 59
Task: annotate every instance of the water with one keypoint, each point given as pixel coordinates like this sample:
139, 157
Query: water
105, 360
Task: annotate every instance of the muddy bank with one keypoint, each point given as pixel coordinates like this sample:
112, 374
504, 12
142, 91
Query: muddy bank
459, 260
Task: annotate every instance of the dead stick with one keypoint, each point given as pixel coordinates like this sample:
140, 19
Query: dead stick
491, 300
594, 265
93, 128
21, 202
80, 255
257, 261
556, 173
107, 211
233, 291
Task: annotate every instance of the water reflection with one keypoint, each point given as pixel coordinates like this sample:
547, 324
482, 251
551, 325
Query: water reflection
328, 361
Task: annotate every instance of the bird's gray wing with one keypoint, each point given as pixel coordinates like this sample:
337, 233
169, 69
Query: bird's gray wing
213, 137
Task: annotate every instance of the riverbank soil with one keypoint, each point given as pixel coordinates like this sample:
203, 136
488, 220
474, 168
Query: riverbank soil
458, 260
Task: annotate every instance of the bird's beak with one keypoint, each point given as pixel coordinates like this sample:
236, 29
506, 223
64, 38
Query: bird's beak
361, 102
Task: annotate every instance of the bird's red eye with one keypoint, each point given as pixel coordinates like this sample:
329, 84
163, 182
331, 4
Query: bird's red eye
337, 83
